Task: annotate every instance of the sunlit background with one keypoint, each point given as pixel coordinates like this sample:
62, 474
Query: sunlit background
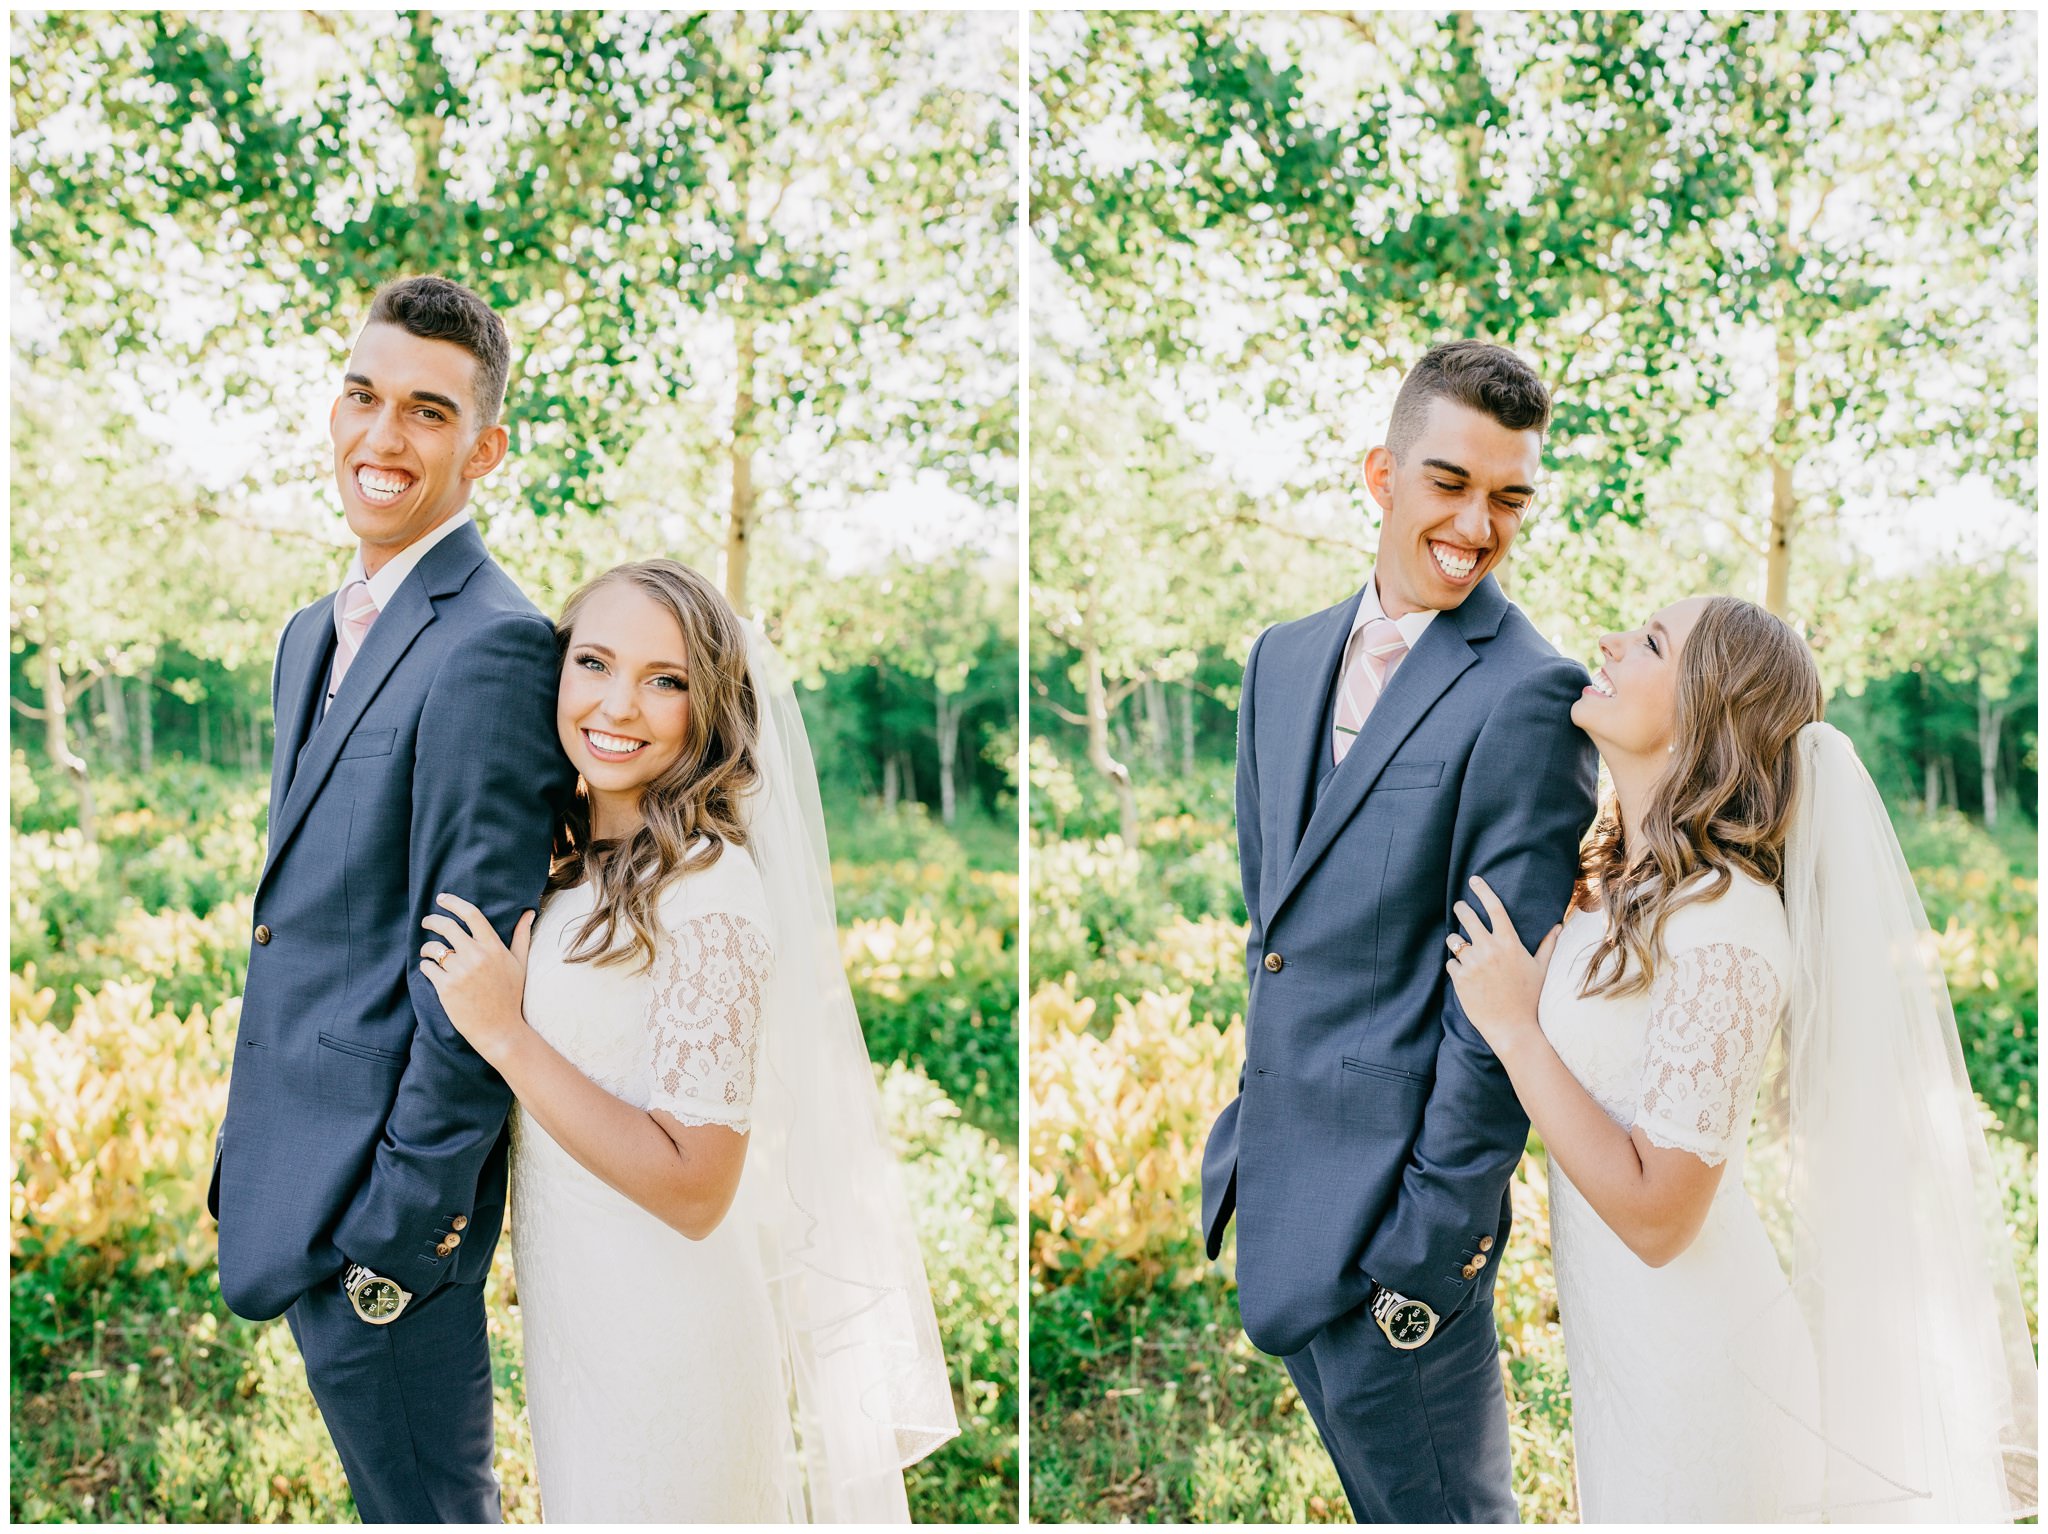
1779, 271
760, 274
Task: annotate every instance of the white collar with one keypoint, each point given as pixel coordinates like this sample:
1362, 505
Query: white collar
385, 583
1369, 608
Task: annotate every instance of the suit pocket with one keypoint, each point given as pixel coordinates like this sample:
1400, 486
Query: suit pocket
1387, 1073
356, 1076
1409, 775
368, 743
363, 1051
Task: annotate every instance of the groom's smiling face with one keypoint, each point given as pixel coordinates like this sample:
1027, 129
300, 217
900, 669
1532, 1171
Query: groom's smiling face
1453, 499
408, 438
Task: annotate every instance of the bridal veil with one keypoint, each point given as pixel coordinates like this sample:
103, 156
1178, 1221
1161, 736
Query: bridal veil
868, 1383
1874, 1172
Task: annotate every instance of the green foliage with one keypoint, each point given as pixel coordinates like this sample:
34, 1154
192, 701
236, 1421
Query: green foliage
601, 179
963, 1186
930, 943
1148, 1404
1280, 197
138, 1397
167, 892
1983, 901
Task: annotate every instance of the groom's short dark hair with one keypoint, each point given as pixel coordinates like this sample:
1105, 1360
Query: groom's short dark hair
435, 309
1478, 375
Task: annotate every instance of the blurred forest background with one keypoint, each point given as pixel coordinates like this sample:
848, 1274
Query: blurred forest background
1779, 269
760, 275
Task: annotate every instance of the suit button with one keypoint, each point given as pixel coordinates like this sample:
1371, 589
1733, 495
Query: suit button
262, 935
1486, 1243
1469, 1270
454, 1241
1274, 963
1479, 1262
445, 1247
460, 1222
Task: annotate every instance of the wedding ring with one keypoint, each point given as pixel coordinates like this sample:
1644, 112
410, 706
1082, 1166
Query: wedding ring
441, 951
1457, 942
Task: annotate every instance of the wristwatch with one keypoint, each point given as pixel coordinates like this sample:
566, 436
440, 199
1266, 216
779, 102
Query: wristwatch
1407, 1323
377, 1299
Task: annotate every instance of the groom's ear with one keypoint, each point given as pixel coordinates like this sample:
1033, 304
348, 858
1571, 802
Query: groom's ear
487, 452
1379, 476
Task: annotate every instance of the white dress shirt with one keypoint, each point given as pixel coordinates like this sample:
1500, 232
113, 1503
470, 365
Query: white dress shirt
1369, 608
389, 577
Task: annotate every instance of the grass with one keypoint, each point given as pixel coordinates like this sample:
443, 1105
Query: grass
1149, 1405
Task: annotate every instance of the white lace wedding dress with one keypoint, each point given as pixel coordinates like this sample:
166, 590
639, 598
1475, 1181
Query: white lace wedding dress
1678, 1372
654, 1376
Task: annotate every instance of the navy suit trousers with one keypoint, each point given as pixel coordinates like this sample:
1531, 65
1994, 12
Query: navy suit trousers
1418, 1436
408, 1404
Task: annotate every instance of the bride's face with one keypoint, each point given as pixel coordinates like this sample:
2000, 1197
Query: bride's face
623, 710
1631, 708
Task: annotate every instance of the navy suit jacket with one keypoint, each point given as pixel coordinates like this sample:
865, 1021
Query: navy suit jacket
360, 1126
1374, 1133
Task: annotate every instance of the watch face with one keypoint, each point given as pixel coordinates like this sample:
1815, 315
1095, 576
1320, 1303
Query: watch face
1409, 1323
378, 1300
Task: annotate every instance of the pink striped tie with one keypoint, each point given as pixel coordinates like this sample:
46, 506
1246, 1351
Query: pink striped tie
1376, 650
354, 612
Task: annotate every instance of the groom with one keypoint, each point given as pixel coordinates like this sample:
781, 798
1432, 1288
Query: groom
1389, 749
359, 1177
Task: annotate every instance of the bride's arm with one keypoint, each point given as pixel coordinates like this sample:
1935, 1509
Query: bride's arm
1655, 1199
1653, 1196
685, 1175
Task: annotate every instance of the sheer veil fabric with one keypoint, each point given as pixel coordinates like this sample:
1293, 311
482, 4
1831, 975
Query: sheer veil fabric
1870, 1165
869, 1390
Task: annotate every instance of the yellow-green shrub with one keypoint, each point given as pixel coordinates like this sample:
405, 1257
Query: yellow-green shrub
114, 1119
1117, 1129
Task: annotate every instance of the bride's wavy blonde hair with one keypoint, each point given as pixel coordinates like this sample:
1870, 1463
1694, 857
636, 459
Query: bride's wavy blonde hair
1747, 685
699, 796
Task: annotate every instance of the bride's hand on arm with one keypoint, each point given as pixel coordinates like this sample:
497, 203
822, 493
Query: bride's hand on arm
683, 1174
481, 982
1498, 981
1653, 1197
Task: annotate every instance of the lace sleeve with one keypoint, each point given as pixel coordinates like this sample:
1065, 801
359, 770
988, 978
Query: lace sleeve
1712, 1012
704, 1019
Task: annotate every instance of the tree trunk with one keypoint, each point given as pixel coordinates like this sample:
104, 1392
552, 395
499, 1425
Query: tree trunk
1161, 726
57, 742
1990, 722
739, 521
145, 723
114, 709
1931, 798
891, 789
205, 735
948, 724
1948, 783
252, 739
1096, 711
1187, 731
1784, 508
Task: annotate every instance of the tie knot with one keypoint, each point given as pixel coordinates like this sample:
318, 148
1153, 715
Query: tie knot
1381, 639
358, 607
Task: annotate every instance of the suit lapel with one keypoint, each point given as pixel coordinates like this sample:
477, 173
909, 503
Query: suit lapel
302, 668
1324, 643
442, 573
1440, 657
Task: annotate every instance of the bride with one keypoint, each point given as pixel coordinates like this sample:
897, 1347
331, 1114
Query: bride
725, 1311
1842, 1341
